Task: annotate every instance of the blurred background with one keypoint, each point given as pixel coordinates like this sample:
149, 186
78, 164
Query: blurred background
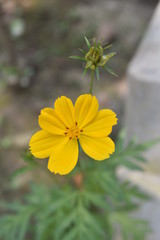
36, 39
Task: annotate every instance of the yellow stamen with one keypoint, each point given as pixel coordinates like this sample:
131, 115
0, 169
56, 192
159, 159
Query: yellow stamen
73, 132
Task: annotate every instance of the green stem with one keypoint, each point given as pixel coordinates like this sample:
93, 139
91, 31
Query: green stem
80, 160
91, 84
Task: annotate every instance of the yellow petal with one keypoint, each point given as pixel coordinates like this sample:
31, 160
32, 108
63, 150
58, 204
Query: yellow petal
64, 159
86, 108
42, 143
50, 122
97, 148
65, 110
101, 125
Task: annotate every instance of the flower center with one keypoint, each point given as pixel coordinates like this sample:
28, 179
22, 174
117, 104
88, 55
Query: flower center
73, 132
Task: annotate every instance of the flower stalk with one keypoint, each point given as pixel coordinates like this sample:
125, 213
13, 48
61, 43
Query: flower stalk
91, 84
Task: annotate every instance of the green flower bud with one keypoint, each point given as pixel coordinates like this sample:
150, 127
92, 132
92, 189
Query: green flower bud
93, 67
95, 57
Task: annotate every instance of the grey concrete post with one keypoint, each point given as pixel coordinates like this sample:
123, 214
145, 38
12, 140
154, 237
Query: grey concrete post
143, 118
143, 75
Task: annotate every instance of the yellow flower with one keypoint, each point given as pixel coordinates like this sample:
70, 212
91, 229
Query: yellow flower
65, 125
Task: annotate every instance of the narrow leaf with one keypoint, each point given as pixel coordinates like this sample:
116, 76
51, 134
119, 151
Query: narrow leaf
81, 50
108, 46
94, 42
146, 145
84, 72
120, 141
108, 56
20, 171
110, 71
77, 57
140, 158
87, 42
132, 165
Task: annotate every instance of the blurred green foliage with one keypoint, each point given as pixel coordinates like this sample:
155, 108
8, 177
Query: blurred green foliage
27, 54
91, 203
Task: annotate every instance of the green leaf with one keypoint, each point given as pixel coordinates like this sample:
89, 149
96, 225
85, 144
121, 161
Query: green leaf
98, 200
138, 232
120, 141
110, 71
20, 171
140, 158
81, 50
132, 165
146, 145
29, 159
107, 46
71, 235
90, 220
22, 231
15, 226
77, 58
108, 56
87, 42
84, 72
65, 223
